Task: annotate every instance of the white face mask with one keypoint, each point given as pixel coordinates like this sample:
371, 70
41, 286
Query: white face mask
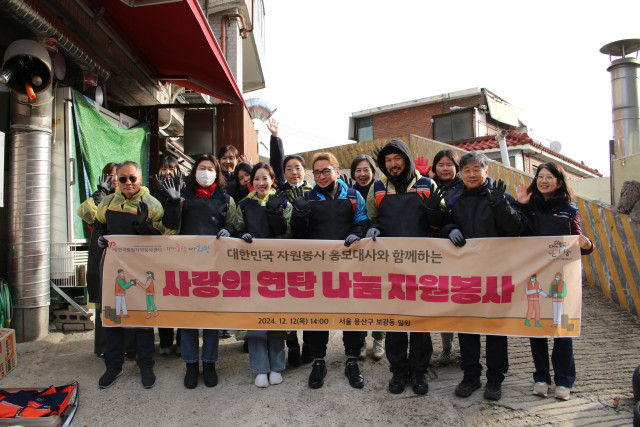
205, 178
557, 278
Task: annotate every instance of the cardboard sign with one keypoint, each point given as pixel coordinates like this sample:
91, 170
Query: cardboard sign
525, 286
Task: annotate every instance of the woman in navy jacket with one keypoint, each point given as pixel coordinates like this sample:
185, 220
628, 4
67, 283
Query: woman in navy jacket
547, 205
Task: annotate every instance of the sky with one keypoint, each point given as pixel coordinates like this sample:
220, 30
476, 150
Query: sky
327, 59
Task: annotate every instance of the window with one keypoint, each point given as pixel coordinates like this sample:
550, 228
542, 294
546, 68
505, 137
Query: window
365, 129
453, 126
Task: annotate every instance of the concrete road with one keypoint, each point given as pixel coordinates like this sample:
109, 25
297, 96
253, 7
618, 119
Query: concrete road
606, 354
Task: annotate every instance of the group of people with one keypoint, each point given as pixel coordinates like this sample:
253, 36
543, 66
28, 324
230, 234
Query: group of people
228, 197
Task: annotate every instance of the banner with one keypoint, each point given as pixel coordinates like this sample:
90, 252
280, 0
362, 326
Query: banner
524, 286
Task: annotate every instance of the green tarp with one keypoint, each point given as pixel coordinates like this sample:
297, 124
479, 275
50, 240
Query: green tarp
102, 142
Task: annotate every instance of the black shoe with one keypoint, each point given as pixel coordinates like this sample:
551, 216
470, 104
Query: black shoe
318, 372
493, 391
306, 356
293, 357
352, 371
397, 383
468, 385
209, 374
418, 383
109, 377
130, 355
245, 347
191, 377
148, 377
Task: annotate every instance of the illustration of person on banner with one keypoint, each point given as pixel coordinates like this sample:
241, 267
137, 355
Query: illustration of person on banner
130, 210
404, 203
148, 287
202, 207
534, 292
483, 209
331, 211
547, 205
120, 288
264, 213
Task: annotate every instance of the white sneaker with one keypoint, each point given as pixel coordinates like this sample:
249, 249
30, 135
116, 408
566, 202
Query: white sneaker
562, 393
165, 350
541, 389
262, 380
274, 378
378, 349
363, 352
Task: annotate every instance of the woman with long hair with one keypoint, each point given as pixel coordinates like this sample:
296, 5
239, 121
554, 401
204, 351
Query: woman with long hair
547, 205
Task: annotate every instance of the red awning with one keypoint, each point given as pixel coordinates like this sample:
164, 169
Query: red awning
177, 44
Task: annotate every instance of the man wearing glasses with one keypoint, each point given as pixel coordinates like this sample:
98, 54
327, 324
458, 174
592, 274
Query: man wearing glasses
130, 210
404, 203
331, 211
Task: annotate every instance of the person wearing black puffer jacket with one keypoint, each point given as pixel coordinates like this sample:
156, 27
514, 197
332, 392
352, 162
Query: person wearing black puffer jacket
331, 211
483, 209
404, 203
201, 208
547, 204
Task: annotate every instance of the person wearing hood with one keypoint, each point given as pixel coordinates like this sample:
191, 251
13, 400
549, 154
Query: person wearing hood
331, 211
446, 173
130, 210
404, 203
202, 207
483, 209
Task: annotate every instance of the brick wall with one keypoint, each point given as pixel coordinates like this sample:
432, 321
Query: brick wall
417, 120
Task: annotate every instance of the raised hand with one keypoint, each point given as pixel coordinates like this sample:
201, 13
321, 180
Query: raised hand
347, 180
300, 205
422, 165
495, 193
272, 125
275, 202
170, 188
142, 213
436, 195
522, 195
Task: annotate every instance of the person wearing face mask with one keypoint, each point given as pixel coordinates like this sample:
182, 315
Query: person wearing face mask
445, 173
404, 203
264, 214
331, 211
547, 206
483, 209
243, 180
201, 208
169, 168
107, 183
130, 210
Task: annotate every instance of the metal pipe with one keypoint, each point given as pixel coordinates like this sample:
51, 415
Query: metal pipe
502, 141
223, 35
22, 12
173, 100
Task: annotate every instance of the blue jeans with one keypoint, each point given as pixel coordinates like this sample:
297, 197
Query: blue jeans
189, 345
266, 356
564, 367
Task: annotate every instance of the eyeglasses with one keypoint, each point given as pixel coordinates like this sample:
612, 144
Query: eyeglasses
325, 172
123, 179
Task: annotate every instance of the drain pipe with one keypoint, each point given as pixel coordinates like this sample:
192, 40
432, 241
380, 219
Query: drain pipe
27, 71
223, 36
501, 137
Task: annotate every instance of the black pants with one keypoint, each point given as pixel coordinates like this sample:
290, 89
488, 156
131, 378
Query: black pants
292, 340
497, 356
318, 341
419, 354
166, 337
100, 339
114, 354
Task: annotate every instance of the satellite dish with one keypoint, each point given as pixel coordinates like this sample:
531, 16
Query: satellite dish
555, 146
259, 109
